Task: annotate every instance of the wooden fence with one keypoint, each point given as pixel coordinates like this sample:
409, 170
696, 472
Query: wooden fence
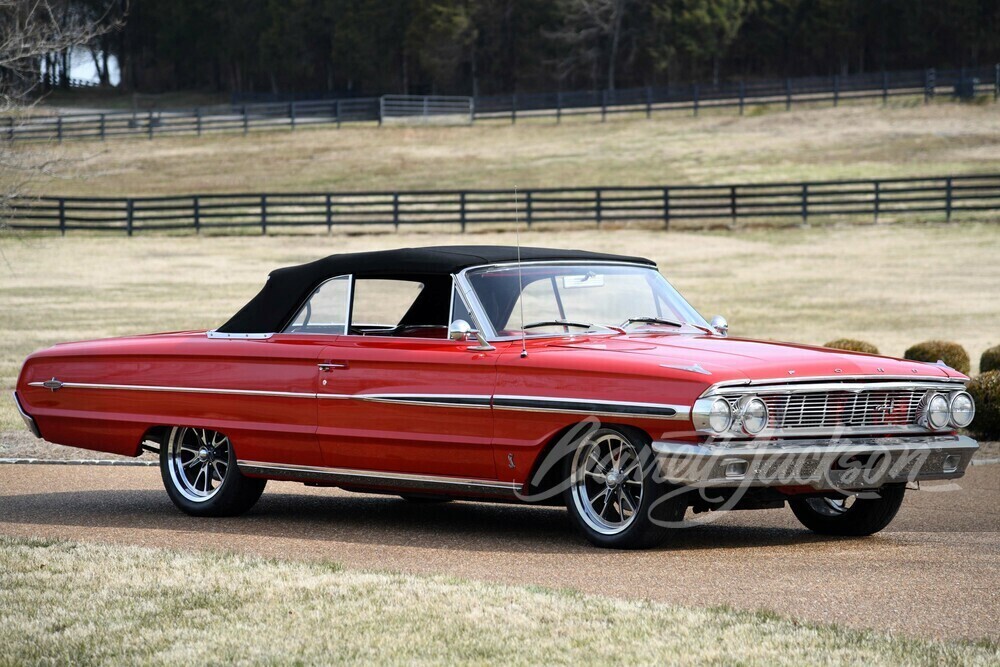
936, 197
689, 98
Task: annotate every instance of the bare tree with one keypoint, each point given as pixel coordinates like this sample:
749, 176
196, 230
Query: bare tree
592, 36
31, 31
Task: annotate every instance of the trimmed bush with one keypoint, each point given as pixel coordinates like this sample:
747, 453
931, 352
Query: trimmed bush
990, 361
985, 390
852, 345
933, 351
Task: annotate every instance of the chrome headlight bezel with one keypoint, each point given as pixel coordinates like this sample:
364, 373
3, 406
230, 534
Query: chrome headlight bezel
745, 405
930, 411
704, 409
958, 423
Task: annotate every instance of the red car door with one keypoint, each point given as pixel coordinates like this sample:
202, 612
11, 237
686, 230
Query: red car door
407, 405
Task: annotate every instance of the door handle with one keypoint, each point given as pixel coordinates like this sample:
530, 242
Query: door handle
328, 366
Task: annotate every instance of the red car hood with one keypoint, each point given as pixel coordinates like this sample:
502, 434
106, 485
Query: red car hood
740, 358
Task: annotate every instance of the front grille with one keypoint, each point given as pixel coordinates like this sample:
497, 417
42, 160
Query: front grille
844, 409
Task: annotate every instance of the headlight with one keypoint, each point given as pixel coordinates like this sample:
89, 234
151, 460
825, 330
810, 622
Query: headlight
753, 414
963, 409
720, 415
938, 412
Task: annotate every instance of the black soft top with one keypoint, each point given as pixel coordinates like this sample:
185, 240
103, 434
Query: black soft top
287, 288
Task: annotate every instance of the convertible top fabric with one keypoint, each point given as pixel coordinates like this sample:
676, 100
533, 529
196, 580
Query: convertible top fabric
287, 289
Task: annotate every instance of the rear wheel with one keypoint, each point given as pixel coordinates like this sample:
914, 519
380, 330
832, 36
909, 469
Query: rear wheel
612, 497
199, 472
849, 515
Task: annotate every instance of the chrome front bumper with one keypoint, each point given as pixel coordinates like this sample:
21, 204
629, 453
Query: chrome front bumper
823, 464
28, 421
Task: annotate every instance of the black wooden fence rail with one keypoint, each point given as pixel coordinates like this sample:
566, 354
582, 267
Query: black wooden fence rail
935, 197
691, 98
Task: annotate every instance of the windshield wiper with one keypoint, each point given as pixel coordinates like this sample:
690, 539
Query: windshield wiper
570, 323
664, 321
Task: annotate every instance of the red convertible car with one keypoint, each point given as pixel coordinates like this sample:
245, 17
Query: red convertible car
497, 374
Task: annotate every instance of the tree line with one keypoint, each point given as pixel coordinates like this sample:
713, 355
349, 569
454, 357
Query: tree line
371, 47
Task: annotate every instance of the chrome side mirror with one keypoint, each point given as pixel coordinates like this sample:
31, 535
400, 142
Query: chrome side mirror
720, 325
459, 330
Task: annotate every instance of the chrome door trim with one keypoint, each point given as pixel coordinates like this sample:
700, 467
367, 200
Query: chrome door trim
472, 401
351, 476
595, 407
183, 390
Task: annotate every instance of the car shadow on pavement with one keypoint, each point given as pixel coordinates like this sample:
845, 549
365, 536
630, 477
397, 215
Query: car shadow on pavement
367, 519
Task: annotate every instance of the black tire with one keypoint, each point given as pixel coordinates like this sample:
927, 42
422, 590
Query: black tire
866, 516
233, 495
642, 529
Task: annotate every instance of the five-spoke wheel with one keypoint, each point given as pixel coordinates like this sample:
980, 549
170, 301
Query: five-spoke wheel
198, 467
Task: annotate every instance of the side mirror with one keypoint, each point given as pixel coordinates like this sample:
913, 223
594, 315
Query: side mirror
459, 330
720, 325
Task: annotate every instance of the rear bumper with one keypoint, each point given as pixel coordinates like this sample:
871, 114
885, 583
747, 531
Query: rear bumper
822, 464
28, 421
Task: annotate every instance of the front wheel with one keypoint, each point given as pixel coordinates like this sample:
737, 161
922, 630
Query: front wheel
198, 467
851, 515
611, 494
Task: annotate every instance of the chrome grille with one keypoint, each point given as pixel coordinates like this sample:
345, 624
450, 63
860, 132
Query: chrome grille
844, 409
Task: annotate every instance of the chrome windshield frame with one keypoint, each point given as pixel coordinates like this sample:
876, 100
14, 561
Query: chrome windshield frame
484, 323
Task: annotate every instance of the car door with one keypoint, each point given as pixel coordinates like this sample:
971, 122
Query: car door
406, 399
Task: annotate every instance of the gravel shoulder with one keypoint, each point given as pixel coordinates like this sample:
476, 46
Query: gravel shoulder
933, 573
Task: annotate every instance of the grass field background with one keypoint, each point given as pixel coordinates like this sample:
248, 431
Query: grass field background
861, 141
892, 285
67, 602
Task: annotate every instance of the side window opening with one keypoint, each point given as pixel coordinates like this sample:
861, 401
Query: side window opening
325, 311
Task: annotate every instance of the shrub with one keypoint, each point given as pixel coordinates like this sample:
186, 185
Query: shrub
985, 390
933, 351
852, 345
990, 361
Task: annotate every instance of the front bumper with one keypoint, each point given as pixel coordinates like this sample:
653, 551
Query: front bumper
28, 421
822, 464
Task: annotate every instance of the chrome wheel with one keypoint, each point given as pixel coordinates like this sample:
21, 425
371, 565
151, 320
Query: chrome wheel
831, 506
607, 483
198, 461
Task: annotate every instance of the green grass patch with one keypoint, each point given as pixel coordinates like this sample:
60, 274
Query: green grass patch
85, 604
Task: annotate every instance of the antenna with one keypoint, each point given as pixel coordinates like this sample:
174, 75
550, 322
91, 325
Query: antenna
520, 281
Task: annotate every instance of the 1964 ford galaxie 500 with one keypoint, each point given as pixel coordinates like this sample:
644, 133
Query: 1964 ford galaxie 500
488, 373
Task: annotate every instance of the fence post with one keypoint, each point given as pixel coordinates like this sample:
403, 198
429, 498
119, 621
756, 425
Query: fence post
395, 211
103, 126
743, 95
996, 81
263, 214
732, 204
59, 132
694, 95
649, 101
10, 128
604, 105
836, 90
885, 88
930, 84
246, 122
129, 215
196, 208
336, 111
513, 108
558, 107
329, 214
62, 216
878, 199
947, 201
666, 208
461, 210
805, 203
528, 209
291, 114
598, 207
788, 94
149, 123
197, 120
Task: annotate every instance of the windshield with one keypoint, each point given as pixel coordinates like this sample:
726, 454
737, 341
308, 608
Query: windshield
575, 298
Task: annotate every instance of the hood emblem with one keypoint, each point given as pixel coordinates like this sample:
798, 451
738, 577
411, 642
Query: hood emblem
693, 368
52, 384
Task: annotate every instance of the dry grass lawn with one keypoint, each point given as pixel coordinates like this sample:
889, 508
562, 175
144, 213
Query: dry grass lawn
893, 285
81, 604
863, 141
